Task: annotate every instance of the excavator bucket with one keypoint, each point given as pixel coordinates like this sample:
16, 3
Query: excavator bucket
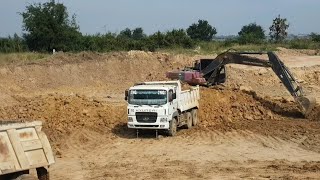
306, 103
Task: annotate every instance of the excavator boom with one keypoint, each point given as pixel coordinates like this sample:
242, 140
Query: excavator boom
212, 71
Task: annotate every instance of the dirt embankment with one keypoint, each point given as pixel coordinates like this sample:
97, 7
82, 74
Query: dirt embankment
64, 115
85, 72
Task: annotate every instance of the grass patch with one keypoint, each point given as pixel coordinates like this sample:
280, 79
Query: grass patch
22, 58
217, 47
202, 48
210, 48
302, 44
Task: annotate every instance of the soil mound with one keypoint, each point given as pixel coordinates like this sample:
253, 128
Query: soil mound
62, 115
235, 110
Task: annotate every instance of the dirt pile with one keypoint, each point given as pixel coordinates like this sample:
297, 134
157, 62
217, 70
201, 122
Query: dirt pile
231, 105
219, 106
234, 110
62, 115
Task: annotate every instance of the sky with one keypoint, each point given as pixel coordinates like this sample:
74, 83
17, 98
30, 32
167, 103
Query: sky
228, 16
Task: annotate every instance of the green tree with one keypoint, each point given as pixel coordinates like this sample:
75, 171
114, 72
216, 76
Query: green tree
201, 31
138, 34
47, 26
126, 33
278, 29
251, 33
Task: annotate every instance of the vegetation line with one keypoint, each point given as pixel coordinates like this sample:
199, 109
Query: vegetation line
48, 26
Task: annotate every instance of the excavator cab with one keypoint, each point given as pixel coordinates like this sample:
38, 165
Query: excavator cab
220, 76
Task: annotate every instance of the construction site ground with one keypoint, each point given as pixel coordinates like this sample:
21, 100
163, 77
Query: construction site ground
250, 127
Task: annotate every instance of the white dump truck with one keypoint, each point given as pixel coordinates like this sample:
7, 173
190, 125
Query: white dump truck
162, 105
24, 148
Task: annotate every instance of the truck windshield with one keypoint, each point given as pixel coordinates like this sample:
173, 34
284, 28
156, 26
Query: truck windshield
148, 97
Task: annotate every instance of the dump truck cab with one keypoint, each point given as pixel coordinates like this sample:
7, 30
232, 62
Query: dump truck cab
154, 105
151, 107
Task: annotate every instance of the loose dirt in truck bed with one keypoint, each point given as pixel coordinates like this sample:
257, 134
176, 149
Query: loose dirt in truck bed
250, 128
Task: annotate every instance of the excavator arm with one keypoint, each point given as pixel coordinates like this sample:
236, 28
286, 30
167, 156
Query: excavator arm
305, 103
213, 69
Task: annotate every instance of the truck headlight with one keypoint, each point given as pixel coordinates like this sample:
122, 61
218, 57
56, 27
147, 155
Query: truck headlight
130, 119
163, 120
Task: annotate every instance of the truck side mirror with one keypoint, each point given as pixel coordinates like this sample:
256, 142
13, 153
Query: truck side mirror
126, 93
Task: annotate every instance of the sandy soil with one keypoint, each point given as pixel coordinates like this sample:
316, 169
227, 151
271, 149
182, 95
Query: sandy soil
255, 134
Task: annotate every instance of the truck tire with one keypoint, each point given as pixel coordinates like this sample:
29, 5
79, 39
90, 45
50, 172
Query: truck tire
42, 173
194, 114
172, 127
189, 120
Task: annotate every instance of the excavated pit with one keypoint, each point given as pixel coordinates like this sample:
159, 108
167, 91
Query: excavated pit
79, 97
65, 110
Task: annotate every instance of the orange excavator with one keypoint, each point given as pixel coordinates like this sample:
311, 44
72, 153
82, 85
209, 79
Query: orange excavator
209, 72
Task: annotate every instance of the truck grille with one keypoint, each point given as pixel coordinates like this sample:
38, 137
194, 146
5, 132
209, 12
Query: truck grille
146, 117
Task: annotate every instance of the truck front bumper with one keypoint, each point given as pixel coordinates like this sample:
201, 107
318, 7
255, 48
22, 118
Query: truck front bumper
133, 125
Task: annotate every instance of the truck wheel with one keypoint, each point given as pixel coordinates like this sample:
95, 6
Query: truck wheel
189, 120
172, 127
194, 114
43, 174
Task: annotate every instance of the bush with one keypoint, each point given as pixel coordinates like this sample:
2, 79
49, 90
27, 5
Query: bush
13, 44
315, 37
301, 44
